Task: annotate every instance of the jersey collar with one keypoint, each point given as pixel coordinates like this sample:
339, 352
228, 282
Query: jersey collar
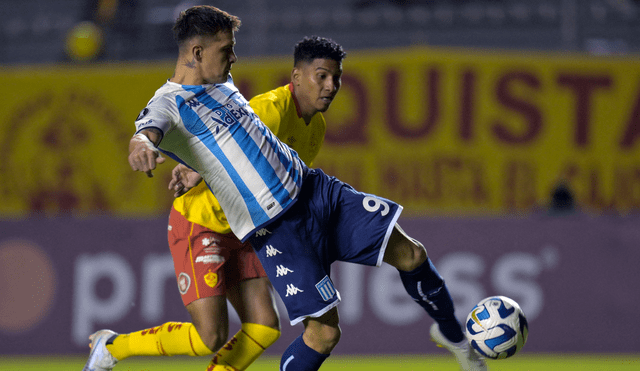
295, 100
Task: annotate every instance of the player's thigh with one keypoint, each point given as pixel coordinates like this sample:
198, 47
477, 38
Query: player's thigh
361, 226
249, 290
254, 301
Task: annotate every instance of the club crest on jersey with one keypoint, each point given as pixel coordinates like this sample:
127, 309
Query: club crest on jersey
211, 279
325, 288
184, 281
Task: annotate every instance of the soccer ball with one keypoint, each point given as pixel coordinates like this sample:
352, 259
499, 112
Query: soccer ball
497, 327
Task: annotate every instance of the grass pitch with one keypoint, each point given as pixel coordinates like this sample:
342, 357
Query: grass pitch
521, 362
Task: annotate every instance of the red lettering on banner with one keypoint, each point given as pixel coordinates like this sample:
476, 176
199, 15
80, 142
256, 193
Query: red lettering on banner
441, 181
531, 113
626, 191
625, 180
354, 131
583, 88
395, 122
467, 106
632, 131
520, 185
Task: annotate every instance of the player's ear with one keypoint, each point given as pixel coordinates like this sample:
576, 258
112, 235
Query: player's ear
196, 51
296, 73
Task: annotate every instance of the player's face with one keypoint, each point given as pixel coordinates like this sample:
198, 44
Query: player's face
217, 57
317, 83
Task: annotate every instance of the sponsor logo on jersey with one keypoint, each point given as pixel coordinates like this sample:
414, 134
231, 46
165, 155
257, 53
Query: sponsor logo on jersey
325, 288
209, 259
184, 281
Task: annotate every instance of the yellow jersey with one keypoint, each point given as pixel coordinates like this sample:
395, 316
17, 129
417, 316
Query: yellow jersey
279, 111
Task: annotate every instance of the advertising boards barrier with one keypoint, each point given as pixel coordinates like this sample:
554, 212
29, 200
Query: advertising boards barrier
573, 277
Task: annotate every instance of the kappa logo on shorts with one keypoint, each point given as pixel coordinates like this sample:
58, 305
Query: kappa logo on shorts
272, 251
325, 288
292, 290
184, 281
262, 232
281, 270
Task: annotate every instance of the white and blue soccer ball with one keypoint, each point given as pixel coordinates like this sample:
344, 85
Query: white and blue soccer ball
497, 327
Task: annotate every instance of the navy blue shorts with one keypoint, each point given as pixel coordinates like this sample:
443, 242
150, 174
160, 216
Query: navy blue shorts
329, 222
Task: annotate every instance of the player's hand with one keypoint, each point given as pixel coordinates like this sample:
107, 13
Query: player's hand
143, 155
183, 179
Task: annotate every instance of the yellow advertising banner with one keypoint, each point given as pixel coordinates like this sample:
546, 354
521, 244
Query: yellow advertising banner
441, 131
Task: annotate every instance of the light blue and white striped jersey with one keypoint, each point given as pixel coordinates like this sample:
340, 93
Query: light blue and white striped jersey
212, 129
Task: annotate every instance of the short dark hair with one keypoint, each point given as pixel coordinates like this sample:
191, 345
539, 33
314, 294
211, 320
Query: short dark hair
203, 20
315, 47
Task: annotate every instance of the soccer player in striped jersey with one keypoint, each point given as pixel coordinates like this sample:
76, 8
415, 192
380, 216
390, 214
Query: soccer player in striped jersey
211, 264
297, 219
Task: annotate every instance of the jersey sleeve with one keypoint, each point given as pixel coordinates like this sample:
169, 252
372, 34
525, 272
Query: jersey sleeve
158, 114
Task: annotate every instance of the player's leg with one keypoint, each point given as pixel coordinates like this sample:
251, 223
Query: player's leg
423, 282
197, 338
309, 350
252, 296
171, 338
253, 300
425, 285
210, 318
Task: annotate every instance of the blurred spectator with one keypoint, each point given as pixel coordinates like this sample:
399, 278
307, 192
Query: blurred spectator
562, 200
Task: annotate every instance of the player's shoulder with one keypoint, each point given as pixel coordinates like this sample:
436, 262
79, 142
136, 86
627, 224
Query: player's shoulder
277, 99
165, 94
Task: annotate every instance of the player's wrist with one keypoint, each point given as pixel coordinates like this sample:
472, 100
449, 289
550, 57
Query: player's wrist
145, 141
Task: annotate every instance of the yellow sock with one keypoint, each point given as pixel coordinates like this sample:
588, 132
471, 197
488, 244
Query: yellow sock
244, 348
169, 339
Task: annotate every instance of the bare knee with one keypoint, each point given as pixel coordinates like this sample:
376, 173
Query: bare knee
210, 318
322, 334
214, 337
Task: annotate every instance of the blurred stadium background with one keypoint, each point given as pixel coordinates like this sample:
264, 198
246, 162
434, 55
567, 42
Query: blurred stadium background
509, 130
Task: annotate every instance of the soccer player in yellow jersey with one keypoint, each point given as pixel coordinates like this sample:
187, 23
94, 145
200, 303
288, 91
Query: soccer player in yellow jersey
211, 264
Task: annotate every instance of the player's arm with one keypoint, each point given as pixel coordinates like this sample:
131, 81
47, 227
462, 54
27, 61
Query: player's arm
143, 154
183, 179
